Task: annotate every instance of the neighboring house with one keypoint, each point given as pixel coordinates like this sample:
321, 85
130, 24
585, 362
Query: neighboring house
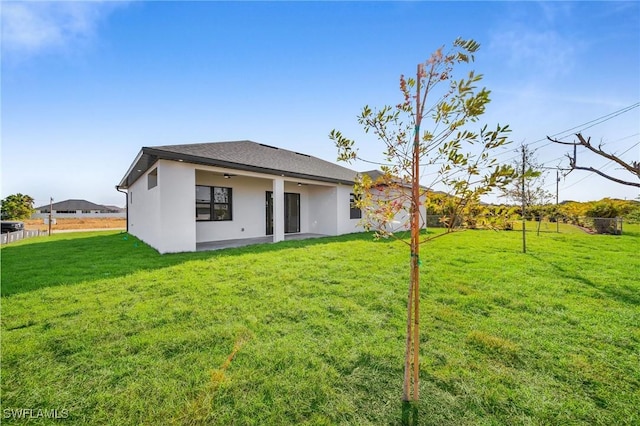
182, 195
77, 209
401, 220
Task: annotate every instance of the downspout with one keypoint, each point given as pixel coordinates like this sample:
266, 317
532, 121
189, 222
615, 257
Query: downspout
126, 206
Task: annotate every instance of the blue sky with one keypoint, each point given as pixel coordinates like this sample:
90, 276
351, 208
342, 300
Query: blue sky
86, 84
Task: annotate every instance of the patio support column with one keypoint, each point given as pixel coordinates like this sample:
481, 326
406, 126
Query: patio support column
278, 209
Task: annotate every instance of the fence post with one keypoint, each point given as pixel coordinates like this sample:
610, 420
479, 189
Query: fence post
10, 237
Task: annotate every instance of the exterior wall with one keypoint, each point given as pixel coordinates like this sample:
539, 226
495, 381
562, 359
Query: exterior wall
323, 202
144, 212
248, 207
163, 216
320, 212
346, 225
176, 184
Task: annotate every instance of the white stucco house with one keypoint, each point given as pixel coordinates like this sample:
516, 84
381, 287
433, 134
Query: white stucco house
180, 196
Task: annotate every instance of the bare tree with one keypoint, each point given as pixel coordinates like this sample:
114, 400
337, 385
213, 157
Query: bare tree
533, 174
633, 167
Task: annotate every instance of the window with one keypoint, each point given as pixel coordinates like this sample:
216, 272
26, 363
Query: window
213, 203
152, 178
354, 211
203, 203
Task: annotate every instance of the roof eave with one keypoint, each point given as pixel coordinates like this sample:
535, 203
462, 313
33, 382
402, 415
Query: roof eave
134, 172
123, 181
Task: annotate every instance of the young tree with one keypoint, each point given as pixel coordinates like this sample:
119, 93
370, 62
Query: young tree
17, 206
527, 188
461, 156
528, 184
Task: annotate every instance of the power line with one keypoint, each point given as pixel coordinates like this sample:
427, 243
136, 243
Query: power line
633, 146
599, 120
621, 139
583, 126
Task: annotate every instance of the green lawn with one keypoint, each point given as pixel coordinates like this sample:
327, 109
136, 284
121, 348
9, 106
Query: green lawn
312, 332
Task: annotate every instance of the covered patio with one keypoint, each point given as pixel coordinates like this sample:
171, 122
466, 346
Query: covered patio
242, 242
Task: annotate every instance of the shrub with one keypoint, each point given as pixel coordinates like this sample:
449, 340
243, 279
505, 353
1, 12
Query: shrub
603, 209
633, 216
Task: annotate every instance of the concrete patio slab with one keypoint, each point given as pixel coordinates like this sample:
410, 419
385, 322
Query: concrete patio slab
242, 242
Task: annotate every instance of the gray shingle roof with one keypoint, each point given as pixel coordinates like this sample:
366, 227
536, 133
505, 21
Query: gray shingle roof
73, 205
243, 155
375, 174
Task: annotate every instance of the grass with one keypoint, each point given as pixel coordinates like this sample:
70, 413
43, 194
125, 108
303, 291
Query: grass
312, 332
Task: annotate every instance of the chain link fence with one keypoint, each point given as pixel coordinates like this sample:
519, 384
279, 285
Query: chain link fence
597, 225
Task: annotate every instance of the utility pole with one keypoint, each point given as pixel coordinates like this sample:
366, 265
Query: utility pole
524, 220
50, 211
557, 191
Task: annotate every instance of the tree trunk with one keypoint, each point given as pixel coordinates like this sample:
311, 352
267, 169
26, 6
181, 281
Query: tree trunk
406, 387
412, 350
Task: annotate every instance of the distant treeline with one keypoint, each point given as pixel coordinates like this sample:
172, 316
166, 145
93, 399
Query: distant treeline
501, 216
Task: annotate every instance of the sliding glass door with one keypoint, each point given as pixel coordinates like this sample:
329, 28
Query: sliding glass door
291, 212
